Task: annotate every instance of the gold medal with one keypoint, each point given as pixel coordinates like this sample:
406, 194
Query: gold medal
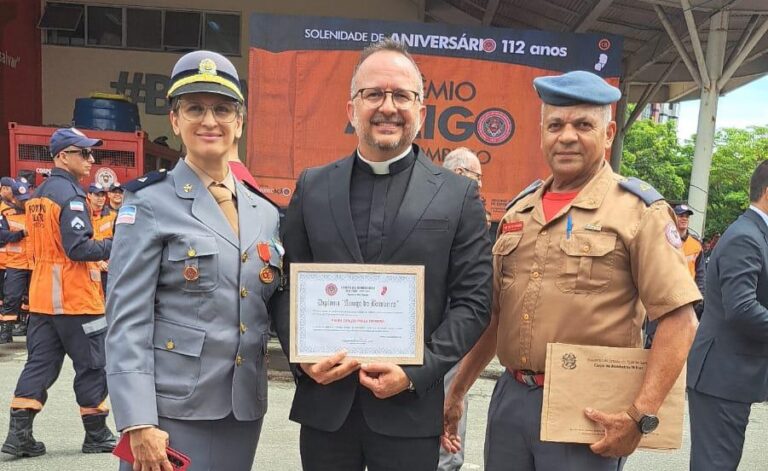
266, 276
191, 273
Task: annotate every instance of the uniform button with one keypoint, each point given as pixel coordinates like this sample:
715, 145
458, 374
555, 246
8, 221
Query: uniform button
243, 292
191, 252
535, 275
585, 248
243, 328
524, 360
169, 345
543, 232
239, 360
244, 258
526, 317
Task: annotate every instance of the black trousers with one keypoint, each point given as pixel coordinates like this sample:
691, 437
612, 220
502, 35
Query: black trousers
15, 289
49, 338
355, 446
2, 282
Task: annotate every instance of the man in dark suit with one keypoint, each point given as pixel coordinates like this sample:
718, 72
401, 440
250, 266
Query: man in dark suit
387, 204
728, 363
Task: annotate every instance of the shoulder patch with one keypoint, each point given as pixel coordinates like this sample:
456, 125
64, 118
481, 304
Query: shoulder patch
255, 190
528, 190
641, 189
76, 206
149, 179
126, 215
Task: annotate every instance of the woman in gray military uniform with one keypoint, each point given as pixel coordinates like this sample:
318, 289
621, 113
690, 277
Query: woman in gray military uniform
195, 261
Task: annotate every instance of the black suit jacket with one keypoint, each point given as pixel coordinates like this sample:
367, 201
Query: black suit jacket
441, 225
729, 357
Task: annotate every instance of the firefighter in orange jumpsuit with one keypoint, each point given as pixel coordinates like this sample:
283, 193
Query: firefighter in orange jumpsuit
66, 304
18, 259
103, 220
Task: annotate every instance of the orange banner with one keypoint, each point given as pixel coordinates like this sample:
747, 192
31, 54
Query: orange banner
297, 117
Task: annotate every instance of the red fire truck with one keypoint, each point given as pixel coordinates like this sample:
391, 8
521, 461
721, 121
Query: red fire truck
123, 156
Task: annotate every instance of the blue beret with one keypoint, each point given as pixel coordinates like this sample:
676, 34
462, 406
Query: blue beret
65, 137
575, 88
205, 72
7, 181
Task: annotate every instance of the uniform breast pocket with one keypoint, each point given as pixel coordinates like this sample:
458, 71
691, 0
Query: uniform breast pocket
177, 358
587, 262
194, 261
504, 260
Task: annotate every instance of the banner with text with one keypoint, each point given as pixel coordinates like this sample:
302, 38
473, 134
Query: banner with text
478, 93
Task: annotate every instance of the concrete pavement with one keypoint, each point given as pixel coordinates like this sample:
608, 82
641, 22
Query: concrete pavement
60, 428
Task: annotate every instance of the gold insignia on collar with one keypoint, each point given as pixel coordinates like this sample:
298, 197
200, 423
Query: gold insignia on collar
187, 188
207, 67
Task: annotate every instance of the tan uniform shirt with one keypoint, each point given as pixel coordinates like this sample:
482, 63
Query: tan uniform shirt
592, 287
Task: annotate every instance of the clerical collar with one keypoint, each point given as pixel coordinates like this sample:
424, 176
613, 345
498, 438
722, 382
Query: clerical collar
393, 165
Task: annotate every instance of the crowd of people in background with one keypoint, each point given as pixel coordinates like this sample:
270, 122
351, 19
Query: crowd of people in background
16, 257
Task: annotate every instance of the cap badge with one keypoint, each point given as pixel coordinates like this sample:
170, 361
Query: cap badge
207, 67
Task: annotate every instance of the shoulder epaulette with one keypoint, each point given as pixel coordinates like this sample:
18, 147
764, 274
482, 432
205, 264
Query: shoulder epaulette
641, 189
255, 190
528, 190
149, 179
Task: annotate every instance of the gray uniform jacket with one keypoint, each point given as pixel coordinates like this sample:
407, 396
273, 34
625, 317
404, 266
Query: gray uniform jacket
189, 347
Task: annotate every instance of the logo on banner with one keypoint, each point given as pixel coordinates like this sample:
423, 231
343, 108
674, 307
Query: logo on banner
494, 127
604, 44
489, 45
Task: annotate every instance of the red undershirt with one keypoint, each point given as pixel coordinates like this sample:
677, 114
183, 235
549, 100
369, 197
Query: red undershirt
554, 202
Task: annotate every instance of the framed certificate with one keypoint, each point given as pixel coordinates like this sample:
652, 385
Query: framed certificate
375, 312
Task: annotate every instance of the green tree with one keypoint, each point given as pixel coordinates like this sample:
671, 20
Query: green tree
652, 153
737, 153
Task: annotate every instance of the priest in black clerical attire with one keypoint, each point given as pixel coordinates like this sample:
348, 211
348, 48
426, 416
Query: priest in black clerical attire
387, 204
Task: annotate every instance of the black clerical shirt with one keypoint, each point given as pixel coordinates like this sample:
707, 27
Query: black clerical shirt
374, 201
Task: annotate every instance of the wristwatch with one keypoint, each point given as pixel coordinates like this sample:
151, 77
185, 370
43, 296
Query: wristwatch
646, 423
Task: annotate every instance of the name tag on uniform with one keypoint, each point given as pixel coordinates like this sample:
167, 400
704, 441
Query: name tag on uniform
514, 226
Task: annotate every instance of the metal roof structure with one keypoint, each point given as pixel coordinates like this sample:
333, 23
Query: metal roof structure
673, 50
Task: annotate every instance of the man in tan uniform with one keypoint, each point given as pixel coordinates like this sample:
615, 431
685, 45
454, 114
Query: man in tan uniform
580, 258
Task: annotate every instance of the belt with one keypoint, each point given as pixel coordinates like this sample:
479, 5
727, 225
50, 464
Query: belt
527, 377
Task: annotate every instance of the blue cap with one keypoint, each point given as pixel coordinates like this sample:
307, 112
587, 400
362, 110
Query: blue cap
21, 191
65, 137
96, 188
575, 88
116, 186
205, 72
7, 181
681, 209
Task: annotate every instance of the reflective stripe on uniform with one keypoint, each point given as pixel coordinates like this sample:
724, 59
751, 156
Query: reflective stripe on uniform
95, 326
56, 292
26, 403
100, 409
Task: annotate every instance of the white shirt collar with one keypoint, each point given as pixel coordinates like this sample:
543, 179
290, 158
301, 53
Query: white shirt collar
382, 168
760, 212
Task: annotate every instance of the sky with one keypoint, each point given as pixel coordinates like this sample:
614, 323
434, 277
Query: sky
743, 107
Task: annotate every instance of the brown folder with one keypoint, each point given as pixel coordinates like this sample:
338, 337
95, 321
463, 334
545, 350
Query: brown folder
607, 379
